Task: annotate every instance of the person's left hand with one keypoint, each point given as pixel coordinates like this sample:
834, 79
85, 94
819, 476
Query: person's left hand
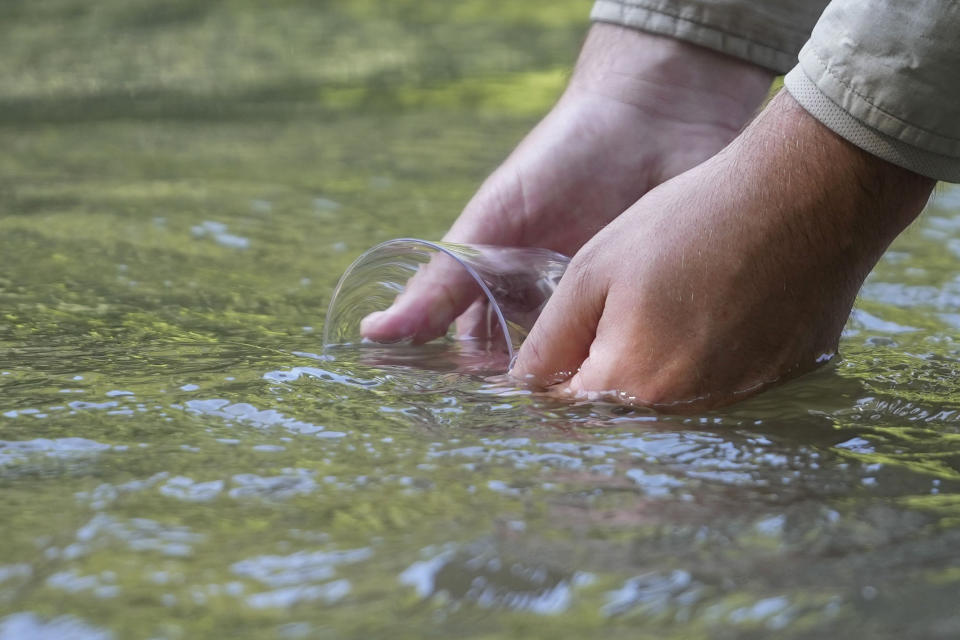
729, 278
640, 108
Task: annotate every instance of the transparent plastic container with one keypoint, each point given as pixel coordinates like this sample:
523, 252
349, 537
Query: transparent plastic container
412, 292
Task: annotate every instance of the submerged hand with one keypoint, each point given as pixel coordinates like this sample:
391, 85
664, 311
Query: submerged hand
729, 278
639, 110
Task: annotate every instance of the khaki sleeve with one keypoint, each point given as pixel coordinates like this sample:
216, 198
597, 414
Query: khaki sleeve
768, 33
886, 77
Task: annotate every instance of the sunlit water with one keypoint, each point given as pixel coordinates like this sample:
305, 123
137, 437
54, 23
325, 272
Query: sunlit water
180, 187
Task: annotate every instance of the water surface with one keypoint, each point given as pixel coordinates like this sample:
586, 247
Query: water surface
181, 185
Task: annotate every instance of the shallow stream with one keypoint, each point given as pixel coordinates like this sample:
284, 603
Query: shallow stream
181, 184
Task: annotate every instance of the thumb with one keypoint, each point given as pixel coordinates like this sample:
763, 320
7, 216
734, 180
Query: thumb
560, 340
434, 297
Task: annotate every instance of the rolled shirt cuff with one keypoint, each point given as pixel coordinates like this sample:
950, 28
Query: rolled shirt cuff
768, 34
909, 156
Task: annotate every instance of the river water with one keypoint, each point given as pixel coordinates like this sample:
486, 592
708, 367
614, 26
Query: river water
182, 183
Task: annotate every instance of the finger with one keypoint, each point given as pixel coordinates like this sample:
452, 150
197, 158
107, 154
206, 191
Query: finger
637, 356
604, 373
440, 291
560, 340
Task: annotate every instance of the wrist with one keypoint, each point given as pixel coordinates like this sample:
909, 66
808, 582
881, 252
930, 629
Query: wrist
850, 200
667, 77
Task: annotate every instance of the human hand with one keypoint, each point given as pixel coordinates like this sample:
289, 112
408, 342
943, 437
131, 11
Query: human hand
731, 277
639, 109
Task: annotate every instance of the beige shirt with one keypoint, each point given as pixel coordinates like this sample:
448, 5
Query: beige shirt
883, 74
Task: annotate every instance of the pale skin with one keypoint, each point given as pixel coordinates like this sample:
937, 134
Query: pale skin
707, 265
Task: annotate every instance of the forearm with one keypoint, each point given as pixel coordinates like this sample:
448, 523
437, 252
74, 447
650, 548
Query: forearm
812, 204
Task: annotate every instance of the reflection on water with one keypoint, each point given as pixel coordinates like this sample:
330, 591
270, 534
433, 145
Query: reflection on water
179, 458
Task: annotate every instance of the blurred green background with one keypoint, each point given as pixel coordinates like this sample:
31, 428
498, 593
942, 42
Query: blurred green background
313, 127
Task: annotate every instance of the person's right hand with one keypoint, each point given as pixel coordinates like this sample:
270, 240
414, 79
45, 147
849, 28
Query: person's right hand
732, 277
638, 110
